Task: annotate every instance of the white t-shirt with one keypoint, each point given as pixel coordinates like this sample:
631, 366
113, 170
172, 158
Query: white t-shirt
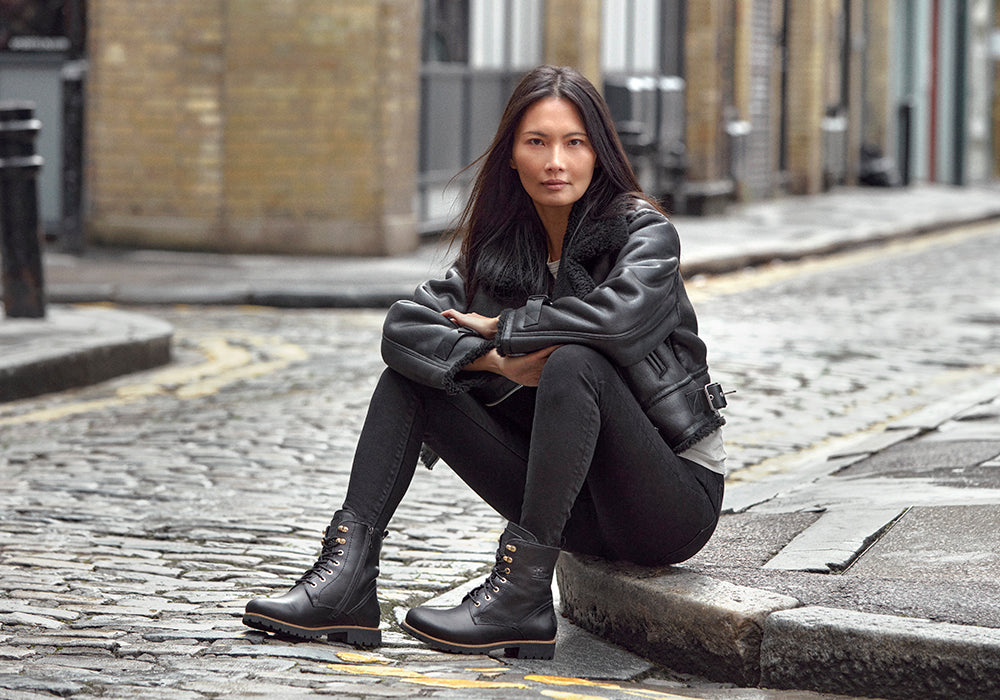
709, 452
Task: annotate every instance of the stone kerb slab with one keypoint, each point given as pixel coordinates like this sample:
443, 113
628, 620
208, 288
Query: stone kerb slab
683, 620
77, 346
848, 652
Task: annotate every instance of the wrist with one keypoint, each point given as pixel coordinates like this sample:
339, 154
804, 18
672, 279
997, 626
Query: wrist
490, 362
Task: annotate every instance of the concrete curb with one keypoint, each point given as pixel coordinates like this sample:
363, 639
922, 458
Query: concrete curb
79, 346
697, 624
677, 618
287, 298
848, 652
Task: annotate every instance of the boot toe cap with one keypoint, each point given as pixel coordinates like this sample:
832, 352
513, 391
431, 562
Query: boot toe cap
441, 623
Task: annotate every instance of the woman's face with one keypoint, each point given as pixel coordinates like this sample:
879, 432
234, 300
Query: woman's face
552, 154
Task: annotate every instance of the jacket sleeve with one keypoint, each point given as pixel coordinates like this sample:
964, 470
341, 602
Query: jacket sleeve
420, 343
625, 317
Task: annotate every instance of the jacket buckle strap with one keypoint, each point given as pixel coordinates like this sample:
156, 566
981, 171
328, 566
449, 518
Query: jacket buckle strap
716, 396
533, 309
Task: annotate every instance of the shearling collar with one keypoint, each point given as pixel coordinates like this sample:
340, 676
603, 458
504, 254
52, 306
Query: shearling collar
587, 240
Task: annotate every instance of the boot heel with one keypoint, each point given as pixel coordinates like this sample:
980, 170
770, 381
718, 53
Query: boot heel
541, 650
358, 637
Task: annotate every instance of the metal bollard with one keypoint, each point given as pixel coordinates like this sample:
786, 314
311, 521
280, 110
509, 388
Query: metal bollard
20, 247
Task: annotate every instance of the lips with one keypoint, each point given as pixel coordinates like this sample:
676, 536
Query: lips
555, 184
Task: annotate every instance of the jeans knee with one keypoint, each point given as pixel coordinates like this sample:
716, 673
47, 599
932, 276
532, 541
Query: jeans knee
573, 362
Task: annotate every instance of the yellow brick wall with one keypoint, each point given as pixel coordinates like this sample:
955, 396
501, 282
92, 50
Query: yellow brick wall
995, 121
704, 92
877, 107
808, 47
253, 125
573, 36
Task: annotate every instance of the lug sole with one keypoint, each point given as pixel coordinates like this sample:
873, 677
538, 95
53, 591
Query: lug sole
348, 634
516, 648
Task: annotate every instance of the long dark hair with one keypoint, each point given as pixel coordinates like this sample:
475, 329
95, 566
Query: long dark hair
503, 249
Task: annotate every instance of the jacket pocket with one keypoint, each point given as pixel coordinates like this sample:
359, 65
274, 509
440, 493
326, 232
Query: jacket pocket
666, 392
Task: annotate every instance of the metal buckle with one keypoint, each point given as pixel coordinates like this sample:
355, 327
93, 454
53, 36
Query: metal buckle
716, 396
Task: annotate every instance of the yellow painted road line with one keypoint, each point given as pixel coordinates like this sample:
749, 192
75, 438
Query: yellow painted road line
532, 681
226, 362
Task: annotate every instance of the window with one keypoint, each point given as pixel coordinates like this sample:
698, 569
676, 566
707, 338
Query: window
643, 37
446, 31
41, 25
474, 52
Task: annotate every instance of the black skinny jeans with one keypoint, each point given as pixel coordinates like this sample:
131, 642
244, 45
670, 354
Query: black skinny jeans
574, 461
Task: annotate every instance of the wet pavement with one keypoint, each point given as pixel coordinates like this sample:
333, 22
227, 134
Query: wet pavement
855, 556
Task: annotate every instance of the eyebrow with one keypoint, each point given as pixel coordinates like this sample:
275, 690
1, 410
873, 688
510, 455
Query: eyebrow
542, 133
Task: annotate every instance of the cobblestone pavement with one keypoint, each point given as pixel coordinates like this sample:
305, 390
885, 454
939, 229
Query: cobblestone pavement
139, 515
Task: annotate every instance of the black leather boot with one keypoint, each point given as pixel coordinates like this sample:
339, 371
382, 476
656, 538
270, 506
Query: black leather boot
337, 596
512, 610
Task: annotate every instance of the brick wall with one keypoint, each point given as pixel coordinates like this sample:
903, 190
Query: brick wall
995, 117
253, 125
704, 94
807, 96
573, 36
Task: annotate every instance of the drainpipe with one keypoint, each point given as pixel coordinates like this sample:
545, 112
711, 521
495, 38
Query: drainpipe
932, 107
961, 85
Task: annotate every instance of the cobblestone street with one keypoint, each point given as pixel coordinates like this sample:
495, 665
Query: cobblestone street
139, 515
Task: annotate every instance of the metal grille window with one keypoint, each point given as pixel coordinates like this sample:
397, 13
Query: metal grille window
643, 37
474, 51
40, 25
446, 31
642, 54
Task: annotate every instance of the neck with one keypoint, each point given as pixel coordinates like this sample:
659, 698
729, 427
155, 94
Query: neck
555, 221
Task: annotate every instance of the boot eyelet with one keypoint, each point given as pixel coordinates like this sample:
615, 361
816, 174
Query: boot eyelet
495, 589
476, 603
341, 540
335, 563
321, 578
503, 580
506, 571
340, 552
311, 584
508, 560
511, 548
343, 528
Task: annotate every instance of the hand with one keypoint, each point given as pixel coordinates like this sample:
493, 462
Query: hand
526, 370
483, 325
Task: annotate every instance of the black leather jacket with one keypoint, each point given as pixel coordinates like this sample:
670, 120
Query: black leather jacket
619, 291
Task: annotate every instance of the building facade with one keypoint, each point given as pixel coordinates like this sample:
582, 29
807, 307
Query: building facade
312, 126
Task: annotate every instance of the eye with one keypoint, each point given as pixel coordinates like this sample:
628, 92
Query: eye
535, 142
577, 142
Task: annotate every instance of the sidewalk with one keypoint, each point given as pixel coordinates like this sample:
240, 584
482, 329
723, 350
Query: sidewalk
873, 569
782, 229
869, 568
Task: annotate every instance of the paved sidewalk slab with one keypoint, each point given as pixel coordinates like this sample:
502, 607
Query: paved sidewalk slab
930, 542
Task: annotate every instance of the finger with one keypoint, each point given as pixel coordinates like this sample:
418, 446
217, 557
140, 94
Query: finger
456, 317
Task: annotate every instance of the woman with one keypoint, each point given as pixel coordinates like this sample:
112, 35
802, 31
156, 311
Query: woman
556, 369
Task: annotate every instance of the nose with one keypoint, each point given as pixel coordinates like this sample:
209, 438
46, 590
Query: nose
555, 159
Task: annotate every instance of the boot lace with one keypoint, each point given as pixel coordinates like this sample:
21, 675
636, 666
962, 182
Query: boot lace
496, 577
333, 547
